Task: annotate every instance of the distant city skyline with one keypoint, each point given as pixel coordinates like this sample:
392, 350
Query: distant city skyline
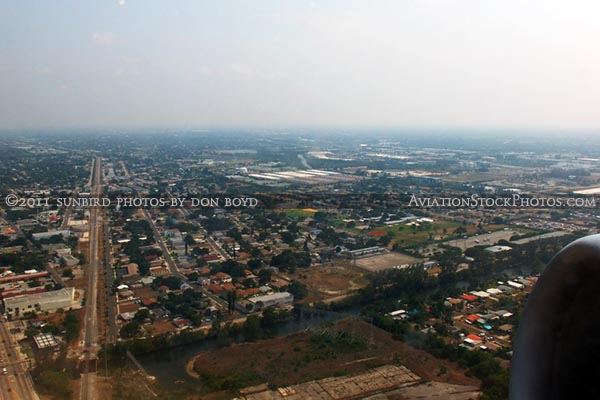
338, 63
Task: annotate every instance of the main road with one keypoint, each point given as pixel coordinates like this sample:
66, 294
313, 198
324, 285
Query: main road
16, 383
90, 343
111, 303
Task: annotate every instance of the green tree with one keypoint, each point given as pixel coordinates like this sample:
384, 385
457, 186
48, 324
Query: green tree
71, 325
130, 330
298, 289
56, 383
67, 273
142, 314
252, 329
189, 241
264, 276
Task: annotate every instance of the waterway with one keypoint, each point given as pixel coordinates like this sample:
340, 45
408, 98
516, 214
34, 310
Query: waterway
169, 366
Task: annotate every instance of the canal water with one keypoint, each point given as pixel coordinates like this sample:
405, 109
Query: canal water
169, 366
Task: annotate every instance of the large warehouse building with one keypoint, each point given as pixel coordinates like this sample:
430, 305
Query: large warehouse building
46, 301
270, 300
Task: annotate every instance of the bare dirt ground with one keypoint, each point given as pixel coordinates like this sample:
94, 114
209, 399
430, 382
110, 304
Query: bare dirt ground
145, 292
330, 280
80, 282
303, 357
386, 261
431, 390
104, 387
160, 326
127, 384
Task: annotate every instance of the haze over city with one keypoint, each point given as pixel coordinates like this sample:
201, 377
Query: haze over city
307, 199
197, 64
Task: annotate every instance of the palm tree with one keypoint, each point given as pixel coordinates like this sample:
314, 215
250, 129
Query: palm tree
189, 240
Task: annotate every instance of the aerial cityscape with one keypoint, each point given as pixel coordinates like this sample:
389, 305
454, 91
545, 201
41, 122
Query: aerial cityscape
333, 289
298, 200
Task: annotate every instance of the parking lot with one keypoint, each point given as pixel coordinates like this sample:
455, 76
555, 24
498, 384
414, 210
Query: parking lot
484, 239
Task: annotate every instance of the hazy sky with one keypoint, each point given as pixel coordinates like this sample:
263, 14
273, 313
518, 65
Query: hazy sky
397, 63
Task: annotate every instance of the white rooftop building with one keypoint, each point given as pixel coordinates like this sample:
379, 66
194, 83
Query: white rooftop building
497, 249
46, 301
275, 299
45, 340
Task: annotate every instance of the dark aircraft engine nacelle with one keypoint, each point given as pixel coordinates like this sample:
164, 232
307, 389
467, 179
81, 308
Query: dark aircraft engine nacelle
557, 346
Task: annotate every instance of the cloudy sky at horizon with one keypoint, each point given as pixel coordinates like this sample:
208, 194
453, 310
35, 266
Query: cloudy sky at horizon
392, 63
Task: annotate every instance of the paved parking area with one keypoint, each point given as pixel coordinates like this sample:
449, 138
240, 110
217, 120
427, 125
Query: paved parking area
485, 239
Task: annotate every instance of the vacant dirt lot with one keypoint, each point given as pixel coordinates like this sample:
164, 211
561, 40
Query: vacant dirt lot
161, 326
343, 348
332, 280
433, 390
386, 261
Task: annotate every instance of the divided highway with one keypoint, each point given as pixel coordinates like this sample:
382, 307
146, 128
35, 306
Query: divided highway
90, 341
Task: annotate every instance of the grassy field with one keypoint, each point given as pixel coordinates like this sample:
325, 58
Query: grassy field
438, 231
300, 212
339, 224
409, 236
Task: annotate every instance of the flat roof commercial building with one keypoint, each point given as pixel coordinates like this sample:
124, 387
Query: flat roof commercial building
45, 340
367, 251
46, 301
275, 299
49, 234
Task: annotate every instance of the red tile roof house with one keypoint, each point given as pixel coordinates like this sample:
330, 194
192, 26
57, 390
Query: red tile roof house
228, 287
216, 289
472, 318
473, 340
182, 323
156, 263
243, 293
228, 240
220, 277
468, 297
163, 289
158, 271
211, 257
148, 301
203, 270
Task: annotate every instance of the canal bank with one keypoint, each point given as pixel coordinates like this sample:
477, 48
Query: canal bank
170, 367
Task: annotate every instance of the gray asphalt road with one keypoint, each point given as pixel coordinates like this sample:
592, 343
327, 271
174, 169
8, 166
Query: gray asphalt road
17, 383
90, 348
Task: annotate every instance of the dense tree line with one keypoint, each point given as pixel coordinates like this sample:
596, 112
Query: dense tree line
414, 288
289, 260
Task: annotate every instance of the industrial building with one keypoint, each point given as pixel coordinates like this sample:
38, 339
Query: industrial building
49, 234
367, 251
46, 301
275, 299
69, 260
